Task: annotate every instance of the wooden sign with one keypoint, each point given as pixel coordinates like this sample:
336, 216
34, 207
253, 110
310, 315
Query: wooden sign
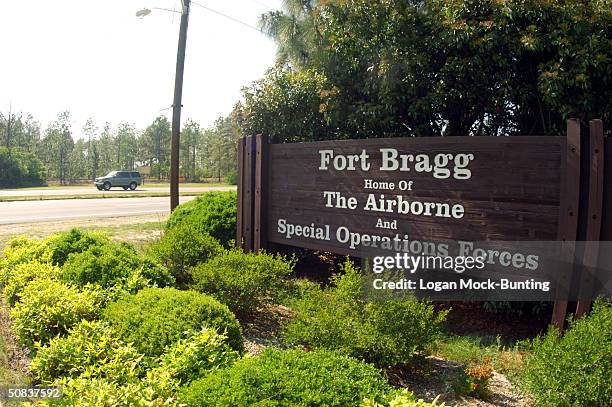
346, 195
357, 191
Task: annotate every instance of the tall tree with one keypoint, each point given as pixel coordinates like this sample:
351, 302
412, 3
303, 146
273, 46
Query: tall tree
190, 135
77, 161
90, 131
155, 147
295, 31
106, 149
126, 146
57, 146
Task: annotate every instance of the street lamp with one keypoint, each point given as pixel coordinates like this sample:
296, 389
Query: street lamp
177, 103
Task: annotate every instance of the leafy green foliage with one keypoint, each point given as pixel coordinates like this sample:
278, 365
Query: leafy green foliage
92, 355
190, 359
437, 67
213, 213
288, 378
75, 241
573, 370
23, 274
89, 350
183, 247
243, 281
401, 398
113, 264
385, 333
155, 318
48, 308
20, 250
286, 105
96, 392
19, 168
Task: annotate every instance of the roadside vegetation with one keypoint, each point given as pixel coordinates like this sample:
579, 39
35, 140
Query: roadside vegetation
167, 324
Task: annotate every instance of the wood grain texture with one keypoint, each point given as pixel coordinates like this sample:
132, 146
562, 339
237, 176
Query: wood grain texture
514, 192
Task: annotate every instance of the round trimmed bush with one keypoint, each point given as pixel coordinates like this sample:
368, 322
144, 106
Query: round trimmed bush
48, 308
183, 247
155, 318
111, 264
213, 213
243, 281
63, 245
289, 378
575, 369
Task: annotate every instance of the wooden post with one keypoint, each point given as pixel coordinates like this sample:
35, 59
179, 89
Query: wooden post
249, 184
568, 215
240, 198
593, 230
261, 181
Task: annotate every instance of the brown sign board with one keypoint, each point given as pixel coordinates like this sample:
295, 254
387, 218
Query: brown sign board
340, 196
469, 188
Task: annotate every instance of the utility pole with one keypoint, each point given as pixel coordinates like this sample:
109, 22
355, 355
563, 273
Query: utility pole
176, 107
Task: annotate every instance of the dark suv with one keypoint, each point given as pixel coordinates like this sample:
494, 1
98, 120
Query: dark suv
124, 179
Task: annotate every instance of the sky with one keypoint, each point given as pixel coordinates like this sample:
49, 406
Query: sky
96, 59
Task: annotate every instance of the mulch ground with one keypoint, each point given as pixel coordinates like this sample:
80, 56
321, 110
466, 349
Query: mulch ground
16, 358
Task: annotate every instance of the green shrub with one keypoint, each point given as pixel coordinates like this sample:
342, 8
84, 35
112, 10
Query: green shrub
232, 177
48, 308
213, 213
573, 370
402, 398
113, 264
385, 333
95, 392
288, 378
243, 281
190, 359
91, 350
63, 245
21, 250
23, 274
155, 318
116, 379
183, 247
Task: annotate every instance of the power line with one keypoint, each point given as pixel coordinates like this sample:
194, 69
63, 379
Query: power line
226, 16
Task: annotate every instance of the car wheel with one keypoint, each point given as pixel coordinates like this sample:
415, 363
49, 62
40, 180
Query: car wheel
133, 186
107, 186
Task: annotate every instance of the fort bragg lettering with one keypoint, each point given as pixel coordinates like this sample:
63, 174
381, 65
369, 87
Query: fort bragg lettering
441, 165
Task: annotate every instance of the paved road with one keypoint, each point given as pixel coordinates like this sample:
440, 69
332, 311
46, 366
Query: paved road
93, 191
53, 210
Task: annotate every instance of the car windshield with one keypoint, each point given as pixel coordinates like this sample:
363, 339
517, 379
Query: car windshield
111, 174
